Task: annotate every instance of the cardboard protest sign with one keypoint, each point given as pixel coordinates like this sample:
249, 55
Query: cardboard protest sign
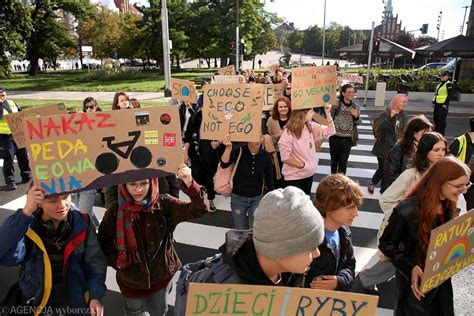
313, 87
451, 249
234, 109
225, 79
233, 299
355, 78
15, 120
183, 90
82, 151
271, 93
227, 70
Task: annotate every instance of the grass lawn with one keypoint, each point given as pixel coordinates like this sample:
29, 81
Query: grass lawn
77, 104
97, 80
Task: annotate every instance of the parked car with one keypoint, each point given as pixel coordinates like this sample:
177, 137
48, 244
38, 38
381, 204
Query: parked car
430, 66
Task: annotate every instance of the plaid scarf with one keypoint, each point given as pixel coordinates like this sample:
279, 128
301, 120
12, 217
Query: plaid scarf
128, 212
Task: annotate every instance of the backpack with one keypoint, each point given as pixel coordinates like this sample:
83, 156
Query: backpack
209, 270
376, 126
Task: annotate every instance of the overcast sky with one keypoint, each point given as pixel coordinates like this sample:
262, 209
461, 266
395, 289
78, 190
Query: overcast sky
360, 14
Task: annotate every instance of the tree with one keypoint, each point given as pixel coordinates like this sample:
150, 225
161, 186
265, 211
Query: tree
424, 40
15, 24
263, 44
405, 39
294, 41
45, 16
312, 40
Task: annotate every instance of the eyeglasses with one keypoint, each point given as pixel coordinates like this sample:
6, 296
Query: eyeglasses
137, 185
461, 186
90, 107
288, 88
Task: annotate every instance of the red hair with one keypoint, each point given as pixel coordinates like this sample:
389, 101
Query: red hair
275, 113
427, 193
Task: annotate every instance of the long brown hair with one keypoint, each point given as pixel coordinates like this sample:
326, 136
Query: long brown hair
275, 113
116, 97
297, 122
427, 193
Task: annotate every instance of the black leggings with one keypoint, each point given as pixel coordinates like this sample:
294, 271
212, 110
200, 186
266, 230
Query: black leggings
339, 149
378, 175
304, 184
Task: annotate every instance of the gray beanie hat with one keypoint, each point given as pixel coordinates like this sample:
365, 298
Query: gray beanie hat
286, 223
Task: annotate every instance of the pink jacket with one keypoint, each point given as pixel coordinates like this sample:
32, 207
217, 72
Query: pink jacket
302, 149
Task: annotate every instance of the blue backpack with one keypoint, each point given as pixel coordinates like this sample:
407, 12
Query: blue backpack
209, 270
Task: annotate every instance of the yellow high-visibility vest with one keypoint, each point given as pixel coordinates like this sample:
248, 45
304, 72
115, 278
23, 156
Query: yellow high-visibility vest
461, 154
441, 93
4, 129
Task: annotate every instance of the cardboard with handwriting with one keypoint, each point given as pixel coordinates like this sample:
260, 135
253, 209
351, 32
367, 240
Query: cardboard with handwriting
234, 109
225, 79
271, 93
227, 70
450, 250
82, 151
354, 78
243, 299
183, 90
313, 87
15, 120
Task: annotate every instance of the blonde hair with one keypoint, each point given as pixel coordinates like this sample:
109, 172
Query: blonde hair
297, 122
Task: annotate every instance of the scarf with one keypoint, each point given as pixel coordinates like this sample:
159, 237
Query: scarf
128, 212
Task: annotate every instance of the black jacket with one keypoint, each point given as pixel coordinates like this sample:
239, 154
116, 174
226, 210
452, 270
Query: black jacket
325, 264
390, 130
200, 151
398, 243
239, 253
395, 163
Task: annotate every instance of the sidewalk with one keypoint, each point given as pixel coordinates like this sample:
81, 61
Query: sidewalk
416, 106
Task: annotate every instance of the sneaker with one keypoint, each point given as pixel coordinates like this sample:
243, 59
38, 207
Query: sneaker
371, 188
11, 186
212, 207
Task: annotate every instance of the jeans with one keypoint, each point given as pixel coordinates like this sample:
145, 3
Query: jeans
84, 201
243, 209
339, 149
153, 305
9, 151
304, 184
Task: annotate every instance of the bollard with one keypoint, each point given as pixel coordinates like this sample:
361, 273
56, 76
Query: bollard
380, 94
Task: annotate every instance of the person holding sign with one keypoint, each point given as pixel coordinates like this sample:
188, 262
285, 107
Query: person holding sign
337, 199
254, 169
431, 148
278, 251
297, 146
10, 149
136, 235
346, 116
63, 266
405, 240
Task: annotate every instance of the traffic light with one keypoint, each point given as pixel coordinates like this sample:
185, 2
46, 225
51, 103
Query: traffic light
376, 46
242, 48
232, 48
424, 28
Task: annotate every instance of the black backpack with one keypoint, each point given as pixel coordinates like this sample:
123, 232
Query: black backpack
209, 270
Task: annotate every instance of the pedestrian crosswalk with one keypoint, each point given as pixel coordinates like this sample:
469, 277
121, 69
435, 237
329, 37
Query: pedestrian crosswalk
203, 236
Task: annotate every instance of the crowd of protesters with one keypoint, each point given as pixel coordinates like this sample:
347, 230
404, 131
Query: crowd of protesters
281, 236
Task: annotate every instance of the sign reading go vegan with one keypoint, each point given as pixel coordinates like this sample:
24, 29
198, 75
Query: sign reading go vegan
232, 299
313, 87
82, 151
234, 109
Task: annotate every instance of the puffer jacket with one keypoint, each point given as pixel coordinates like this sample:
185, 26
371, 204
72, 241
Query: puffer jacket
85, 265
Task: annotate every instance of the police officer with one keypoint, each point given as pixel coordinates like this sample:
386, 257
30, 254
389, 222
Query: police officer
441, 98
9, 146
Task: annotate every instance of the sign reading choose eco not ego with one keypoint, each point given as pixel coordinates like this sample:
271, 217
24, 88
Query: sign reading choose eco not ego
313, 87
232, 299
234, 109
82, 151
451, 249
183, 90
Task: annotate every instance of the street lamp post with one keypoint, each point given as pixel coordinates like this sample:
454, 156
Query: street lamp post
464, 20
166, 48
438, 26
324, 32
237, 37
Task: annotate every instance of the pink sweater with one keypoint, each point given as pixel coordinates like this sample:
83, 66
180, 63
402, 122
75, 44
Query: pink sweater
302, 149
